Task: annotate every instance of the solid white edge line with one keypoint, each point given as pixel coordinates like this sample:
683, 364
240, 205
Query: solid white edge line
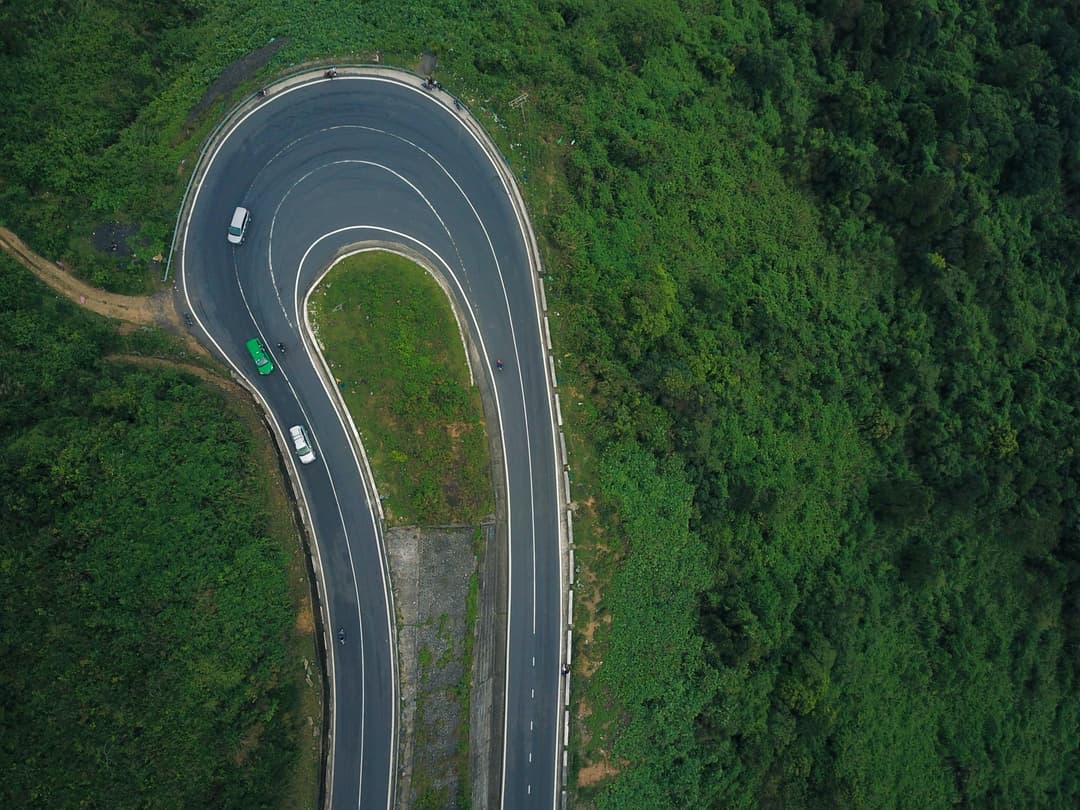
388, 598
529, 238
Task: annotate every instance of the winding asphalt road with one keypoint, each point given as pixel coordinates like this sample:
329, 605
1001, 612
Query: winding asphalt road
329, 164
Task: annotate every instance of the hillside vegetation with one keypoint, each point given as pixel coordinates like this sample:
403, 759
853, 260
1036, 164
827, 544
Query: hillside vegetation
816, 281
823, 263
144, 591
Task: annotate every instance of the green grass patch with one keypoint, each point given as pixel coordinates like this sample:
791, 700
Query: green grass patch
464, 688
396, 353
445, 658
426, 660
444, 627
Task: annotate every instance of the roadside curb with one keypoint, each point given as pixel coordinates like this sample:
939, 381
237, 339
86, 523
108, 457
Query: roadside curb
315, 72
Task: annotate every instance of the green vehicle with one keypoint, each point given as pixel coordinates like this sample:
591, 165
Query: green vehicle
260, 356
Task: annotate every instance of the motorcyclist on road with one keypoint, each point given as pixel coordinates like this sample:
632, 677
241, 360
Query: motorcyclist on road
341, 635
499, 365
281, 347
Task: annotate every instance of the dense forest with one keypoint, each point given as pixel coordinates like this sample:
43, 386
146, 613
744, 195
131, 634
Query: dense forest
815, 269
830, 255
144, 599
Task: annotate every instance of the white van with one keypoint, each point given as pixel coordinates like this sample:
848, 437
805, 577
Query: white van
238, 227
302, 445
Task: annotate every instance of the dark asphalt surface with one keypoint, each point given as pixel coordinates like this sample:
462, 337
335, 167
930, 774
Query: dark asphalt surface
334, 163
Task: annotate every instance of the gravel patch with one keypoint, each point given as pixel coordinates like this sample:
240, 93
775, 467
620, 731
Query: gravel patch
112, 237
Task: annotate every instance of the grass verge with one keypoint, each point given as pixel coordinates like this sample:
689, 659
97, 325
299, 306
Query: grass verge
304, 714
397, 356
597, 556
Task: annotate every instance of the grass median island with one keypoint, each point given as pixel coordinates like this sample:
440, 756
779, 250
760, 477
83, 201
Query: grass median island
396, 353
392, 341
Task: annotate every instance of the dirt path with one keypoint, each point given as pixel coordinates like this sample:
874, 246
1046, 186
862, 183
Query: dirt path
136, 309
143, 310
227, 386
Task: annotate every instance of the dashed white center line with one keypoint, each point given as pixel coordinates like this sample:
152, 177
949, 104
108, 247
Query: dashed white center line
530, 725
534, 660
532, 694
530, 756
528, 789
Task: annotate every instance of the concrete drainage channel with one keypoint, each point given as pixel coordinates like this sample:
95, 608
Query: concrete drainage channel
433, 571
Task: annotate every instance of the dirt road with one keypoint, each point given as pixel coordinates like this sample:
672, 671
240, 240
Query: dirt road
144, 310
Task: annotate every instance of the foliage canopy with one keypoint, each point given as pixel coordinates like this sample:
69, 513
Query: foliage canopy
815, 270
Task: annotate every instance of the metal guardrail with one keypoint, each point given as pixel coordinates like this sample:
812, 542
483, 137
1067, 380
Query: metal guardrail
518, 199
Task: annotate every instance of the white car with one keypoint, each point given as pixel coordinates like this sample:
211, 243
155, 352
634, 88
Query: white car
302, 445
238, 225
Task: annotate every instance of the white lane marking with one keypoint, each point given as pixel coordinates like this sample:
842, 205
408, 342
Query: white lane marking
528, 439
337, 500
345, 530
432, 252
187, 299
510, 321
315, 282
521, 386
527, 240
350, 161
467, 304
266, 407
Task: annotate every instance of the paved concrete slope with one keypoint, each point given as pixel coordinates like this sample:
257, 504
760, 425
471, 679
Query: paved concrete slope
332, 163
